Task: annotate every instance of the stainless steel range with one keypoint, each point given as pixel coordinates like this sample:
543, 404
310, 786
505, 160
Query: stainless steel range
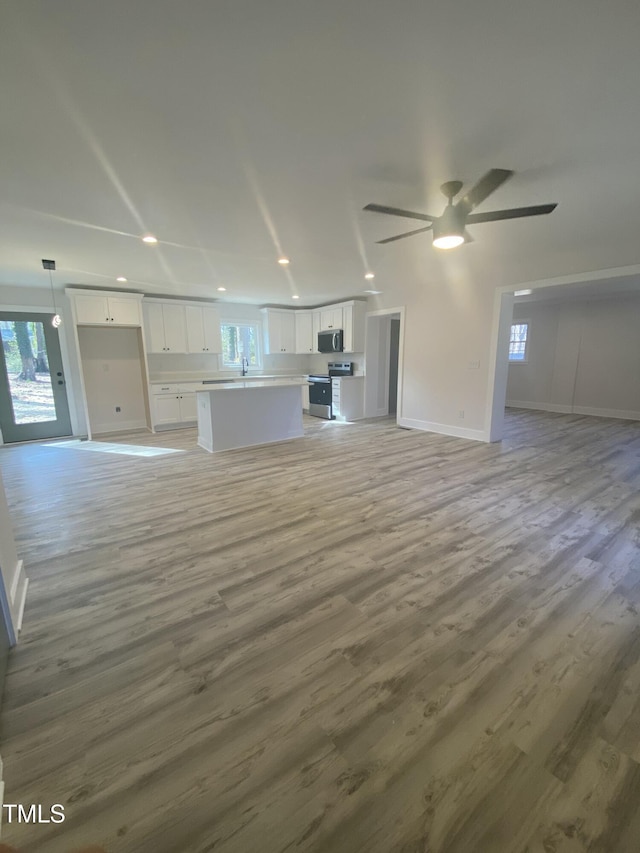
320, 388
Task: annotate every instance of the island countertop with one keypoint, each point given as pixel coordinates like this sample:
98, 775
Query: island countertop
238, 384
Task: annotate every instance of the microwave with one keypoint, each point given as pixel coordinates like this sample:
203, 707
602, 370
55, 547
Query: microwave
330, 341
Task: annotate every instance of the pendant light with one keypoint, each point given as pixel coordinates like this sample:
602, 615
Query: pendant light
56, 320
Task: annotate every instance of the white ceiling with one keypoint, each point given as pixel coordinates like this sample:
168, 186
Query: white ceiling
236, 130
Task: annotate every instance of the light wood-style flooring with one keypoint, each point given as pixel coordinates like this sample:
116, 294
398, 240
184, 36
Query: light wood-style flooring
368, 639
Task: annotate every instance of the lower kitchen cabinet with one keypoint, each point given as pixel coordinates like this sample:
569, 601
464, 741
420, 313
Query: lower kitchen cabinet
173, 406
347, 398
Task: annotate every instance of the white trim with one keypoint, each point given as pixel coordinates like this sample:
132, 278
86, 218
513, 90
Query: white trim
498, 365
622, 414
18, 595
560, 408
1, 792
563, 409
381, 312
575, 278
444, 429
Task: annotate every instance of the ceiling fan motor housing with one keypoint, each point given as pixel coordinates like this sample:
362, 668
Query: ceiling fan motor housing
451, 222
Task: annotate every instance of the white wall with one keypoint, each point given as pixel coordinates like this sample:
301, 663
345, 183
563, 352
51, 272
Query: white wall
113, 377
448, 327
583, 357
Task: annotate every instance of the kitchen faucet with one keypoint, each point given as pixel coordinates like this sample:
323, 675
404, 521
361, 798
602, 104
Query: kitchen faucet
245, 365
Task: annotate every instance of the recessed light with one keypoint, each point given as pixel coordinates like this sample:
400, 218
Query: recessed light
295, 296
283, 261
369, 275
121, 278
222, 288
149, 238
372, 291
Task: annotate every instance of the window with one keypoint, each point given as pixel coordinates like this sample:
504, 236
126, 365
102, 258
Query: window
518, 341
240, 340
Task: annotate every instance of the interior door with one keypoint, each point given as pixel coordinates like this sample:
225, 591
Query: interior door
33, 397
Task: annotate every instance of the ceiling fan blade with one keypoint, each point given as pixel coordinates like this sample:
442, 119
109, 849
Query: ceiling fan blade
512, 213
406, 234
486, 185
396, 211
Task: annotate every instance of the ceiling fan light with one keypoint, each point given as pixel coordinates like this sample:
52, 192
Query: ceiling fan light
448, 231
448, 241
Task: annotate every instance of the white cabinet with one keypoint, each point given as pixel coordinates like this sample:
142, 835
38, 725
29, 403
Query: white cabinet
348, 316
306, 341
353, 315
166, 327
331, 318
173, 404
203, 329
188, 406
347, 398
279, 330
106, 309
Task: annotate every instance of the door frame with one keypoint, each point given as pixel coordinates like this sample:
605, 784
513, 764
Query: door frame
376, 353
68, 367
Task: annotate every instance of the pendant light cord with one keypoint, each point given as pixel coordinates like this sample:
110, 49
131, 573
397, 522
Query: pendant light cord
53, 295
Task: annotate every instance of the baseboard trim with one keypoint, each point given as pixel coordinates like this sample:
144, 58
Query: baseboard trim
619, 414
444, 429
1, 793
18, 595
179, 425
559, 408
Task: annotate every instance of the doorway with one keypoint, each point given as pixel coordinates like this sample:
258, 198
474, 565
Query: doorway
33, 397
383, 356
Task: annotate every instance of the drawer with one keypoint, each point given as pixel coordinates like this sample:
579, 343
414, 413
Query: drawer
167, 388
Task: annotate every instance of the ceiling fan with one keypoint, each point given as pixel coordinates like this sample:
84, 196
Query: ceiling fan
449, 229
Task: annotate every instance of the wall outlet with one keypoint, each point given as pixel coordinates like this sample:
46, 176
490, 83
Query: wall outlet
461, 413
118, 409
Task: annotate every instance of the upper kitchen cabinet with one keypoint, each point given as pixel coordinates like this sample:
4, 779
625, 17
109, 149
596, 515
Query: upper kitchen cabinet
353, 318
105, 308
306, 335
166, 326
331, 318
279, 330
203, 329
348, 316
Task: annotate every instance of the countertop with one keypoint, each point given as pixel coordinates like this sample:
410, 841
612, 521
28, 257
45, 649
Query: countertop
238, 384
177, 378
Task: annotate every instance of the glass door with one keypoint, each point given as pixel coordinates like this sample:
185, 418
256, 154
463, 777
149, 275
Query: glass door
33, 397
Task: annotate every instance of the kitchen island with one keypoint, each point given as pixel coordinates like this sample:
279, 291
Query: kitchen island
243, 414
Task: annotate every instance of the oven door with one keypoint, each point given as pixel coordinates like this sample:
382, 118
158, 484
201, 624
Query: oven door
320, 398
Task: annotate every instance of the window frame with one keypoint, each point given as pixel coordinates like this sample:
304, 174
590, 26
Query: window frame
525, 358
229, 368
